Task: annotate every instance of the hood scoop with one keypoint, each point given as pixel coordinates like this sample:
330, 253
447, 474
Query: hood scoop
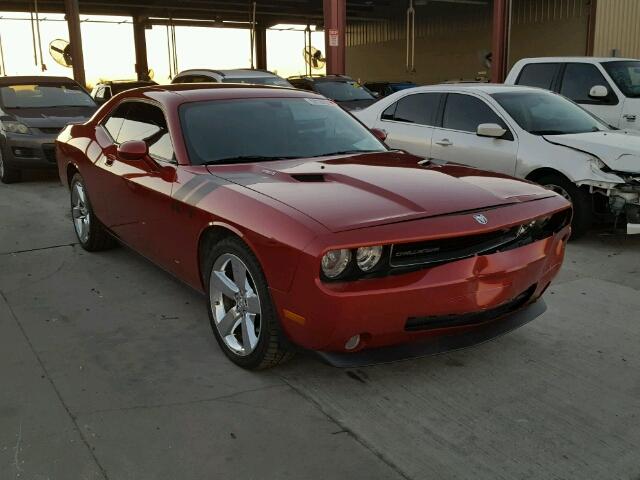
309, 177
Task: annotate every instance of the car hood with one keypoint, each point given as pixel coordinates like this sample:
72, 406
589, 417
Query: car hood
52, 117
619, 150
345, 193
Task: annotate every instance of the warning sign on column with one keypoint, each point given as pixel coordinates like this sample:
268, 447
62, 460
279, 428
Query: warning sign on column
334, 38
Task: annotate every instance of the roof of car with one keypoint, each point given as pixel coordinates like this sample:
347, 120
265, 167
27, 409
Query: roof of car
574, 59
488, 88
34, 79
322, 78
232, 73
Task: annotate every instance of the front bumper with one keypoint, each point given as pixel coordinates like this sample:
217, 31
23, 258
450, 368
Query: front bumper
323, 317
34, 151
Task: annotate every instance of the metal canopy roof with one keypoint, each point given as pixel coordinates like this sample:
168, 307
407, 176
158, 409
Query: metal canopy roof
267, 12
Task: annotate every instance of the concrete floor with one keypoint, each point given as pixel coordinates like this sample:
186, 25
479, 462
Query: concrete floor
108, 370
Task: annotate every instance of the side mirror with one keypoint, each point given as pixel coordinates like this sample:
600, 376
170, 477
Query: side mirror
133, 150
492, 130
379, 134
598, 91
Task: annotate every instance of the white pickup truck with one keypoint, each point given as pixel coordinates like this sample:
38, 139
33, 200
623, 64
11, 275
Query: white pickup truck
607, 87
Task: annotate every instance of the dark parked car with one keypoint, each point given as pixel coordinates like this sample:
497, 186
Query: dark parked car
382, 89
343, 90
33, 111
103, 91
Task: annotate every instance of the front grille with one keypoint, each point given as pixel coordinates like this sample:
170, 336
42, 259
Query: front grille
49, 151
50, 130
434, 252
415, 324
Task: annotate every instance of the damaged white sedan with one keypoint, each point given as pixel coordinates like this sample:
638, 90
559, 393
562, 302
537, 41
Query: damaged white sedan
525, 132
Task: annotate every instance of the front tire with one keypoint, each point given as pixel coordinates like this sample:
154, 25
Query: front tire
91, 233
7, 174
242, 315
580, 199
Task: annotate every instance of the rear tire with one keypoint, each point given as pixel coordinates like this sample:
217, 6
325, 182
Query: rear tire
91, 234
581, 200
241, 312
7, 174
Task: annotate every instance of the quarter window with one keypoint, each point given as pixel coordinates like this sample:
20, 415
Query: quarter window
578, 80
538, 75
465, 113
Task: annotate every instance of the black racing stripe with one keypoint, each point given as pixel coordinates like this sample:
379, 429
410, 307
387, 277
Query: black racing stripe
189, 187
201, 192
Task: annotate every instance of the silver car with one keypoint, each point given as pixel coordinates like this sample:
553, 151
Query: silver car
524, 132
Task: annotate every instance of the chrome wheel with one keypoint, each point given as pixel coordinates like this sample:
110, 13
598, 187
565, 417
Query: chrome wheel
235, 304
559, 190
80, 212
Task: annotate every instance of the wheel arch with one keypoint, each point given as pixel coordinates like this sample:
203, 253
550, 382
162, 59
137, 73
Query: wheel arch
71, 170
213, 233
539, 173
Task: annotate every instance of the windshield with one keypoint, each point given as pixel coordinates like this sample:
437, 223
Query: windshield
224, 131
626, 75
542, 113
343, 91
277, 81
45, 95
396, 87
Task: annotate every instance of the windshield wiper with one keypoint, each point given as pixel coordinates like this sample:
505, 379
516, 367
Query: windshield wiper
245, 159
346, 152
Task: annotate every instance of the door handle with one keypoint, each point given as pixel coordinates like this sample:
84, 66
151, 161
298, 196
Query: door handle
445, 142
629, 117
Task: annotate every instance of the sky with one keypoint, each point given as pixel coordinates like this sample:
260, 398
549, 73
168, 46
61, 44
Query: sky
109, 53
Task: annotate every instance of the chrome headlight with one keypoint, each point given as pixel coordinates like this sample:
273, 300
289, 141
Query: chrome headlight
12, 126
368, 257
335, 262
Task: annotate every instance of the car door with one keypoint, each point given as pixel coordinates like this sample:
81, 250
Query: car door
576, 83
409, 122
140, 190
456, 140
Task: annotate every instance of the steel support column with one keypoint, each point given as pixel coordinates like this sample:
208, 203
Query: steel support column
261, 47
140, 44
75, 39
499, 41
335, 26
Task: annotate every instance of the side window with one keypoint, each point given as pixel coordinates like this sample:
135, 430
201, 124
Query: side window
420, 108
114, 121
538, 75
578, 80
143, 121
107, 93
100, 93
465, 113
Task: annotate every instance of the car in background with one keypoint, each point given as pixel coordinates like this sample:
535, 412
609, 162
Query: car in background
302, 228
240, 75
33, 111
103, 91
526, 132
608, 87
343, 90
383, 89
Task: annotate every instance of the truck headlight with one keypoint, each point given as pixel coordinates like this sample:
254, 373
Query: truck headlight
12, 126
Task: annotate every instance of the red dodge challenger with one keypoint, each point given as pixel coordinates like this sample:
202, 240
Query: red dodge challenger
303, 229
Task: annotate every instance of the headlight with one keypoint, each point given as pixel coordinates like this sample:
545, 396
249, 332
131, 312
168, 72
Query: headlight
14, 127
335, 262
596, 163
368, 257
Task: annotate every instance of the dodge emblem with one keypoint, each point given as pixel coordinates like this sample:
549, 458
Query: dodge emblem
481, 219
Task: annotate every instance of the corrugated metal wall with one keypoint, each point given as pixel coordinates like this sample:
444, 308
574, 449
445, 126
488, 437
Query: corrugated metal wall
453, 39
617, 27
